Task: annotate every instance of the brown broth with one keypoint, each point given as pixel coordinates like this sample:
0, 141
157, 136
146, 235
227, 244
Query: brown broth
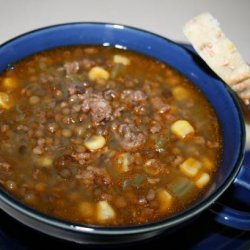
98, 146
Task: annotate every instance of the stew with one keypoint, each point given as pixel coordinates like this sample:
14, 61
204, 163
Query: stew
104, 136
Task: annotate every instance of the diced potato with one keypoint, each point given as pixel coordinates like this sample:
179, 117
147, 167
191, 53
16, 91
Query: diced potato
10, 83
95, 142
104, 211
190, 167
182, 128
180, 93
203, 180
6, 102
45, 161
97, 73
165, 199
121, 59
87, 209
207, 163
124, 160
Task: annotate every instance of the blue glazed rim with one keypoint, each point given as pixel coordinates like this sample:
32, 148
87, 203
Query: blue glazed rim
133, 229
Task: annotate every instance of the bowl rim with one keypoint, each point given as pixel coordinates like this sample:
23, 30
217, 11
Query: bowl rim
133, 229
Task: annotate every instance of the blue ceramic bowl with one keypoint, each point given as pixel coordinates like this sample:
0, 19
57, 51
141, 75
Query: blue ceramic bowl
220, 96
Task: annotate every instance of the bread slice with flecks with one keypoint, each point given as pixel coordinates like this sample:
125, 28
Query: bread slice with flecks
219, 53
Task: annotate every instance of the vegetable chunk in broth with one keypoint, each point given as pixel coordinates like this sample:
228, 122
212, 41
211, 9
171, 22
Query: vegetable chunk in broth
103, 136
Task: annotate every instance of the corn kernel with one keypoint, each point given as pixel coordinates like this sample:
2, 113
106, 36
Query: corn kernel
121, 59
95, 142
6, 102
10, 83
180, 93
104, 211
165, 199
203, 180
190, 167
97, 73
182, 128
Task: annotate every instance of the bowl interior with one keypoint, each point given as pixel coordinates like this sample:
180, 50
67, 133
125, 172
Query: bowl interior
187, 63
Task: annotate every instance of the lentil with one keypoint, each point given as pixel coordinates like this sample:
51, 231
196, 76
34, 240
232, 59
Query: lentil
106, 136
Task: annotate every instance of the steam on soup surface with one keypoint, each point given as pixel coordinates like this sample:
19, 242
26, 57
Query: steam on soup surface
97, 135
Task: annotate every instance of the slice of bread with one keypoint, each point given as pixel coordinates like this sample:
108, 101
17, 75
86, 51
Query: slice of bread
219, 53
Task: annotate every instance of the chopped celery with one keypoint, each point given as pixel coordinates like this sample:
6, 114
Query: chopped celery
181, 187
135, 182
